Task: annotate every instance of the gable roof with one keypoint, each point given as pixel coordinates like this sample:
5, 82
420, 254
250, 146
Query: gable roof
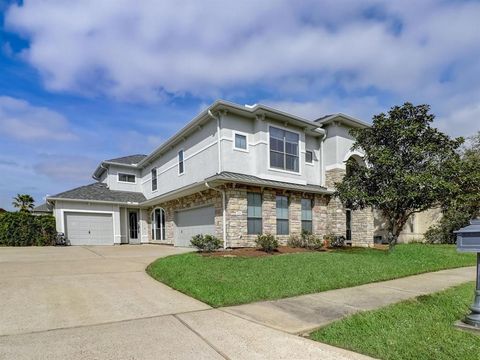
99, 192
127, 160
44, 208
343, 118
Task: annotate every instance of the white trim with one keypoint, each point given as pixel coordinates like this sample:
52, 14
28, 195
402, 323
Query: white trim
162, 226
95, 201
126, 182
299, 172
235, 133
313, 157
335, 166
353, 153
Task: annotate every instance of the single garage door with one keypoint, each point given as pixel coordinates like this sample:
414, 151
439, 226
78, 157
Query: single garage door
192, 222
89, 228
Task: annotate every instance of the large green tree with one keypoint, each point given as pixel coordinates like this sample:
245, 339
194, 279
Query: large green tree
409, 166
463, 205
23, 202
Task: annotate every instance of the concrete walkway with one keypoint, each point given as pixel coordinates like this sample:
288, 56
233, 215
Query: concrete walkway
302, 314
98, 303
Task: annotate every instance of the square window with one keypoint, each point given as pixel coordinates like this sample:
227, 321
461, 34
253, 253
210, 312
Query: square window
126, 178
240, 141
284, 149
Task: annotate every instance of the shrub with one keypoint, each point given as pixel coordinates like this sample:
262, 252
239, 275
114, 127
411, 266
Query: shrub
25, 229
332, 240
313, 242
295, 241
442, 233
267, 243
206, 243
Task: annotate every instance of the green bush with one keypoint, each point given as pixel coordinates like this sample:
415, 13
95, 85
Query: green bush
25, 229
295, 241
305, 240
442, 233
206, 243
267, 243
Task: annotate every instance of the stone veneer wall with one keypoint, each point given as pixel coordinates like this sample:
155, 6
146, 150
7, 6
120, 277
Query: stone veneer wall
362, 220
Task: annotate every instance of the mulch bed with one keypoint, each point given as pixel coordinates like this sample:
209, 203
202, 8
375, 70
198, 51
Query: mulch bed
252, 252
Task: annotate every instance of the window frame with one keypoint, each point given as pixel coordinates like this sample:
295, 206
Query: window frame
255, 218
127, 174
154, 178
282, 219
163, 224
181, 163
309, 162
302, 220
235, 133
284, 169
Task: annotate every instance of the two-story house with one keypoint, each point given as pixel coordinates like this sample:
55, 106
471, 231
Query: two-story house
233, 171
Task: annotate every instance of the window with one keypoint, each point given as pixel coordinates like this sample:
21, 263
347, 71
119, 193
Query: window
180, 162
240, 141
158, 224
126, 178
284, 149
282, 215
348, 234
309, 157
154, 179
254, 213
307, 215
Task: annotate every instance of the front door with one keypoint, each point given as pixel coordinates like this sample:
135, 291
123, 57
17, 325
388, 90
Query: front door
133, 227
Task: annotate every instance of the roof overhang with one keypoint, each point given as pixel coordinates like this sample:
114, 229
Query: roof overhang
344, 119
94, 201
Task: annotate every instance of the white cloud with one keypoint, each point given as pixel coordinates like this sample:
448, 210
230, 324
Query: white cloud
66, 167
23, 121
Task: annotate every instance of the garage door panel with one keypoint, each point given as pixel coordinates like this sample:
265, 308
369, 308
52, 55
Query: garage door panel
192, 222
89, 228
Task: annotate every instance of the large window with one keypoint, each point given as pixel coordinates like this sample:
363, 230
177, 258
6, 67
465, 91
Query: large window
158, 224
282, 215
181, 168
154, 179
254, 213
130, 178
284, 149
307, 215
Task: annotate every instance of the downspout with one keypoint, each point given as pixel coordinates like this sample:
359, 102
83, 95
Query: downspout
322, 155
224, 213
219, 142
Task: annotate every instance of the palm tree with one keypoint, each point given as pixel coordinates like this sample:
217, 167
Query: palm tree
23, 202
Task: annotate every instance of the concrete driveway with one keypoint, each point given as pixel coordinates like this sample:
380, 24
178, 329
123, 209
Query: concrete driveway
97, 302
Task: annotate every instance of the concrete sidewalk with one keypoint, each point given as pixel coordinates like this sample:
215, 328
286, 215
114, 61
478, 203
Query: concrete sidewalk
302, 314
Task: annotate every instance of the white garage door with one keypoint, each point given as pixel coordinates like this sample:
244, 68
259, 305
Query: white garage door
89, 228
192, 222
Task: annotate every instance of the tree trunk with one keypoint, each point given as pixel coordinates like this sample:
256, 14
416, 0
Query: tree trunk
392, 240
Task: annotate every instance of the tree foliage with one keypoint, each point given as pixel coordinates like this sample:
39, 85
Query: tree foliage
463, 205
409, 166
23, 202
24, 229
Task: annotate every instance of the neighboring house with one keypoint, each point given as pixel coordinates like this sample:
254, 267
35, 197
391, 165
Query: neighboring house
233, 171
43, 209
414, 229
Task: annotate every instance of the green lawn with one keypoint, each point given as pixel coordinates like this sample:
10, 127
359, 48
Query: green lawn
220, 281
414, 329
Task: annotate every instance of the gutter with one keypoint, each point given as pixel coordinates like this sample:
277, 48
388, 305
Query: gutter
94, 201
224, 213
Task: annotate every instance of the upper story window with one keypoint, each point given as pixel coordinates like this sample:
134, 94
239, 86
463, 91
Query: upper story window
254, 213
181, 166
240, 141
284, 146
282, 215
154, 179
309, 157
129, 178
307, 215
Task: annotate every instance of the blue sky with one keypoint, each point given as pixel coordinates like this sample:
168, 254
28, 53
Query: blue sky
92, 80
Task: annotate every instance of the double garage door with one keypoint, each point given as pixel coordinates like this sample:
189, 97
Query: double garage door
192, 222
89, 228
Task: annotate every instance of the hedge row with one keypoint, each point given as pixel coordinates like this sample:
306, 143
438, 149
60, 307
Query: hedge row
25, 229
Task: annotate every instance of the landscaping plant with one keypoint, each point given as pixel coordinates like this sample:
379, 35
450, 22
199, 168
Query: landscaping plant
267, 242
23, 202
24, 229
410, 167
206, 243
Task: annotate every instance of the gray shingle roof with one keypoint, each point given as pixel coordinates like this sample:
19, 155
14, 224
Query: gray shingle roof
129, 160
100, 192
45, 207
254, 180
